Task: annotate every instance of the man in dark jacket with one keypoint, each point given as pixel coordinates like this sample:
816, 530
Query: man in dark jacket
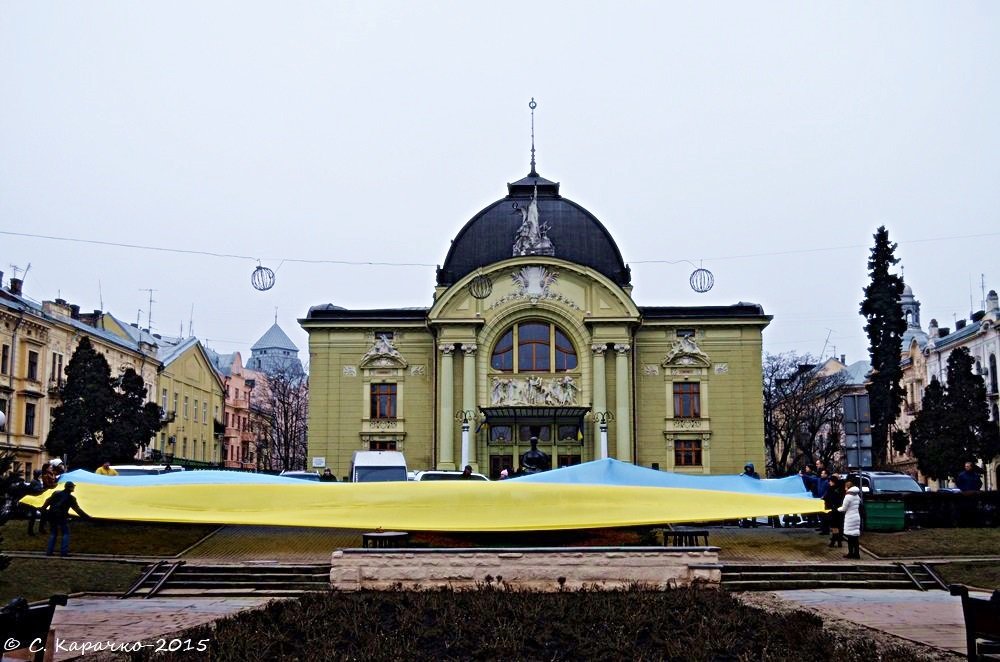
35, 488
969, 480
56, 510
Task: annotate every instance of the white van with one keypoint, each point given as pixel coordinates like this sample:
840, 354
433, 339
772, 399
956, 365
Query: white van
377, 466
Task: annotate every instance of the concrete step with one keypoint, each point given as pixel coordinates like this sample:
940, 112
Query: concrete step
233, 592
758, 575
793, 584
269, 586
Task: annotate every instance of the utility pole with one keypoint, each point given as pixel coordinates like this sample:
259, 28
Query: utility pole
149, 309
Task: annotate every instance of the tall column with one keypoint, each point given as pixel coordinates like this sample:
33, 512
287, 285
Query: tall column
623, 447
469, 396
600, 400
446, 410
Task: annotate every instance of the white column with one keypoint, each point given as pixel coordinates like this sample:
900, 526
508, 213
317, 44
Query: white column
600, 401
623, 445
468, 402
446, 410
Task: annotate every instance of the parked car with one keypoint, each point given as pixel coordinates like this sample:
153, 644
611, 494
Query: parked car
445, 475
884, 482
301, 475
145, 469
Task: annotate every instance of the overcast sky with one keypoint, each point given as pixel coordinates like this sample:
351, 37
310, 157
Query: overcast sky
767, 140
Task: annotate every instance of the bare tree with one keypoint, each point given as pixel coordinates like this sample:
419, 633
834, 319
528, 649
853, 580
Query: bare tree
280, 405
803, 412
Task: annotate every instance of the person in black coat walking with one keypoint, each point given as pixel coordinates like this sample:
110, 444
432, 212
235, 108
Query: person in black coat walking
832, 500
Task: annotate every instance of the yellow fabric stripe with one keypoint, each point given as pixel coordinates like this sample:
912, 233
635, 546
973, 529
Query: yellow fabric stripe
427, 506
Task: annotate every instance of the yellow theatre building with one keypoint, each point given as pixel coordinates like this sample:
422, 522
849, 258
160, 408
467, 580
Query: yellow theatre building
532, 332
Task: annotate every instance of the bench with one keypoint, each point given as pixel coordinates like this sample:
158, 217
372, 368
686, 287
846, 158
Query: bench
685, 538
27, 624
982, 623
385, 539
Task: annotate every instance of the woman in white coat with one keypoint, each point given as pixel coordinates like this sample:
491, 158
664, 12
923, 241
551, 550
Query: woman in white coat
852, 520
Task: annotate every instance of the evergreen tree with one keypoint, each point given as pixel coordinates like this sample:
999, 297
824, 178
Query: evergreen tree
953, 426
885, 327
80, 422
133, 420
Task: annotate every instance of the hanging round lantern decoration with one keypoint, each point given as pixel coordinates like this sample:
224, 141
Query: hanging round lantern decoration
481, 286
702, 280
262, 278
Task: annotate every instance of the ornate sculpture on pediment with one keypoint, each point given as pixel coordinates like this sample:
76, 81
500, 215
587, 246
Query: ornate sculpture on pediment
685, 351
532, 237
383, 354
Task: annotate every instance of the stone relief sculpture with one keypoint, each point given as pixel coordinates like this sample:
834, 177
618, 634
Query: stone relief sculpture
383, 353
556, 392
534, 283
685, 351
532, 237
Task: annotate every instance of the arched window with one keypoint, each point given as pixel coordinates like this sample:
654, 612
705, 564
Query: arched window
993, 373
541, 347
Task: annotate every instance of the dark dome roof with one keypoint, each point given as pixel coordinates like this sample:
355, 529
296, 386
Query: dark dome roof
576, 234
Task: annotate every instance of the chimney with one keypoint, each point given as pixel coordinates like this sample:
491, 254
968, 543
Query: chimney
15, 286
843, 359
992, 302
74, 311
959, 325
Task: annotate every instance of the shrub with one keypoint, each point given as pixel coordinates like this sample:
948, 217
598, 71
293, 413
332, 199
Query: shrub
495, 622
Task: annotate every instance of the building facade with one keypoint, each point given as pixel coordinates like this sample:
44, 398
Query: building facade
239, 443
533, 333
925, 357
36, 344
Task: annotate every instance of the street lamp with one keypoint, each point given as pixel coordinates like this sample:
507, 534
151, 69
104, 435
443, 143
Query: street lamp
602, 418
465, 417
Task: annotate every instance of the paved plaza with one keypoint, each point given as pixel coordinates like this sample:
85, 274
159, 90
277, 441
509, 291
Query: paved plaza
103, 619
933, 618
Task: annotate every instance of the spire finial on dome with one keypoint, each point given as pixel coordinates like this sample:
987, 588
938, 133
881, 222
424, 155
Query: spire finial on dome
532, 105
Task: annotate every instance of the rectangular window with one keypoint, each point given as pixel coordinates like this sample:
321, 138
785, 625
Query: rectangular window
3, 408
500, 434
227, 419
175, 403
185, 406
687, 400
382, 445
56, 369
163, 401
543, 432
568, 460
29, 419
383, 401
4, 359
687, 453
33, 366
204, 412
196, 411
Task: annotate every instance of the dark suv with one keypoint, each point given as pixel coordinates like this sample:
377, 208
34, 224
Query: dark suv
884, 482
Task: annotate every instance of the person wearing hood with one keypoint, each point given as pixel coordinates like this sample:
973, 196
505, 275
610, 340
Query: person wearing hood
748, 471
852, 519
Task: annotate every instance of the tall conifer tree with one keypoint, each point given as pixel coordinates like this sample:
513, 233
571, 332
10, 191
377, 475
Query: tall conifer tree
885, 327
954, 426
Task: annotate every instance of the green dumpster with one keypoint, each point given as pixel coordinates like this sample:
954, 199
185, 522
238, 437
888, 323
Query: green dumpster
885, 515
